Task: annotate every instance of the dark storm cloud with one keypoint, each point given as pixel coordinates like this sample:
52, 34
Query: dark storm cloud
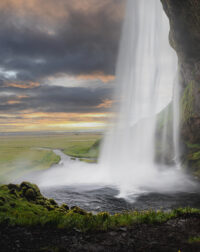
83, 41
55, 99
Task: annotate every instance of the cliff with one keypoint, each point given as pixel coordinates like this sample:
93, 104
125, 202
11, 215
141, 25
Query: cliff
184, 37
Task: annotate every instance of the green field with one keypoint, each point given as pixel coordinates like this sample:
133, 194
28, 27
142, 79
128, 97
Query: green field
20, 154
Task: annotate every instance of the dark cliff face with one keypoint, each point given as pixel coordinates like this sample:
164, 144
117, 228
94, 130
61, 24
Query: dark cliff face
184, 17
184, 37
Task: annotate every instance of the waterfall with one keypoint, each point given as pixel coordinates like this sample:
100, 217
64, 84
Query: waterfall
145, 77
140, 153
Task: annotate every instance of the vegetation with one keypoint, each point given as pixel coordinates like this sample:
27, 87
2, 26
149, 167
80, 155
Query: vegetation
24, 205
194, 239
187, 102
23, 154
87, 149
193, 158
15, 162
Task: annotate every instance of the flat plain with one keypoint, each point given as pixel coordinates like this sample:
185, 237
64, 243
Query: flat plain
24, 153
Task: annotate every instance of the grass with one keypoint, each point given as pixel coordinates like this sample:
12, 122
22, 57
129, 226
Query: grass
20, 154
20, 207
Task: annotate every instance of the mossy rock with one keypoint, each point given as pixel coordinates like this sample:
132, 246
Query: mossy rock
78, 210
13, 192
30, 191
30, 194
27, 185
13, 187
49, 207
64, 207
41, 202
53, 202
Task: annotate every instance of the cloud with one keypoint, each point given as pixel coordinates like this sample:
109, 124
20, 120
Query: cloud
97, 76
80, 37
57, 57
53, 99
22, 85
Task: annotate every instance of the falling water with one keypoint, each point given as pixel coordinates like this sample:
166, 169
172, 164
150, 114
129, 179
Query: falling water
146, 72
146, 116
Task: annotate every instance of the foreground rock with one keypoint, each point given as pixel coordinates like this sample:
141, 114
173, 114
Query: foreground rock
28, 192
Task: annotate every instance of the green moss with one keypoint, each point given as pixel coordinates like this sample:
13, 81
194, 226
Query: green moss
193, 158
64, 208
78, 210
193, 146
30, 194
187, 102
194, 240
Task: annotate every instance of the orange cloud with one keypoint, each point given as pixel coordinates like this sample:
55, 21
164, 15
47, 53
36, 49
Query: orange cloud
97, 75
106, 104
13, 102
22, 96
23, 85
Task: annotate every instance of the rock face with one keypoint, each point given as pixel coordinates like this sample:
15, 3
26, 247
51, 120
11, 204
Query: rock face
184, 37
184, 17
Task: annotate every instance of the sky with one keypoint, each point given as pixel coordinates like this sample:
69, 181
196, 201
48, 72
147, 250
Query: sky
57, 63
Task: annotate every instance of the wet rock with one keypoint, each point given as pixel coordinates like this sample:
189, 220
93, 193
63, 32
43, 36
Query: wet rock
184, 17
